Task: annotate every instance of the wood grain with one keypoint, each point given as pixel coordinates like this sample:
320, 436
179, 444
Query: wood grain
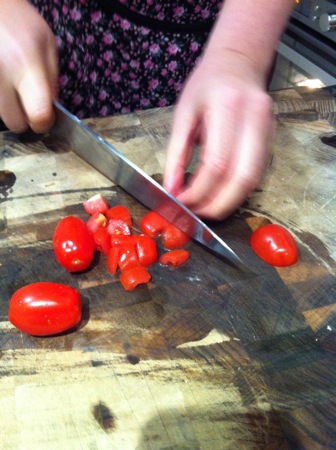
206, 356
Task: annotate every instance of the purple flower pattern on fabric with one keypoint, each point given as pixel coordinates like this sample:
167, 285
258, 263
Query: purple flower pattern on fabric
110, 65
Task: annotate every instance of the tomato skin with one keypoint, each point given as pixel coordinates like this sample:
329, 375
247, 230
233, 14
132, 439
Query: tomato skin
274, 245
132, 277
96, 204
73, 244
152, 224
113, 259
146, 249
45, 308
174, 258
102, 240
120, 212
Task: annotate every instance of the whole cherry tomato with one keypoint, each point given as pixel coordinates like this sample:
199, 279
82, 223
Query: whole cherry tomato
45, 308
274, 245
73, 244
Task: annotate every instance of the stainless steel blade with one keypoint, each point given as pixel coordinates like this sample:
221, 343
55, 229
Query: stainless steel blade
115, 166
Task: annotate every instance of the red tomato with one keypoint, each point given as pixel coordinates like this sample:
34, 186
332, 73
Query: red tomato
173, 237
96, 204
44, 308
113, 259
174, 258
146, 249
73, 244
152, 224
128, 257
274, 245
117, 226
97, 220
134, 276
102, 240
120, 212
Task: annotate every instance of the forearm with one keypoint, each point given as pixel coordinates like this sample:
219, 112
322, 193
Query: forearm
251, 28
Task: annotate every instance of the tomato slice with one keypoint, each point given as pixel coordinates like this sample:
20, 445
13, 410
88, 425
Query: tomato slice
45, 308
134, 276
174, 258
73, 244
120, 212
274, 245
102, 240
146, 249
152, 224
173, 238
96, 204
118, 226
113, 259
97, 220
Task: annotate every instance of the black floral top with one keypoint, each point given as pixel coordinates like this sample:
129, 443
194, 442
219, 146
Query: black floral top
120, 56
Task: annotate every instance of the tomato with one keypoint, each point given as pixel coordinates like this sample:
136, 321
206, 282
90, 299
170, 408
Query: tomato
113, 259
128, 257
96, 204
132, 277
146, 249
174, 258
45, 308
97, 220
274, 245
173, 237
120, 212
152, 224
73, 244
102, 240
118, 226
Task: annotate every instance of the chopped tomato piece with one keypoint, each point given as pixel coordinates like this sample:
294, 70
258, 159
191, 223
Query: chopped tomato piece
113, 259
118, 226
102, 240
152, 224
146, 249
96, 204
173, 237
134, 276
120, 212
128, 257
123, 239
97, 220
174, 258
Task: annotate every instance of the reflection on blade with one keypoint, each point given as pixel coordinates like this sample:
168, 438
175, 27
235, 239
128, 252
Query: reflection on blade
116, 167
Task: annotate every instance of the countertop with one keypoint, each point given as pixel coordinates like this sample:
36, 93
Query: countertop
204, 356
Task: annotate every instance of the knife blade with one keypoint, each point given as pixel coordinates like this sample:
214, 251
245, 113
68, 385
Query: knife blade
98, 153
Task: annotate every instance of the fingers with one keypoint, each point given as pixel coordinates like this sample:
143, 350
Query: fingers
235, 134
28, 69
183, 138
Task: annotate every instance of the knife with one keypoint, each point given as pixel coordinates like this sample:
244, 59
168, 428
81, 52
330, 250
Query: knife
97, 152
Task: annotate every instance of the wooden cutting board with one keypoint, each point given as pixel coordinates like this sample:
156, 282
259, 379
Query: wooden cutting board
204, 356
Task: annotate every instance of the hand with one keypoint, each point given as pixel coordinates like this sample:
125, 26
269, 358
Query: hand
28, 68
225, 109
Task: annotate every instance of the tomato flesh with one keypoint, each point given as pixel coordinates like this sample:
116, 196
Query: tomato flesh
274, 245
96, 204
45, 308
73, 244
174, 258
132, 277
120, 212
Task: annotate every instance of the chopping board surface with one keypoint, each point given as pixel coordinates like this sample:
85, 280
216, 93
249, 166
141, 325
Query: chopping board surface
204, 356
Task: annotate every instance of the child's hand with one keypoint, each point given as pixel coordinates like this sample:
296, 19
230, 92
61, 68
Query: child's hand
28, 68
